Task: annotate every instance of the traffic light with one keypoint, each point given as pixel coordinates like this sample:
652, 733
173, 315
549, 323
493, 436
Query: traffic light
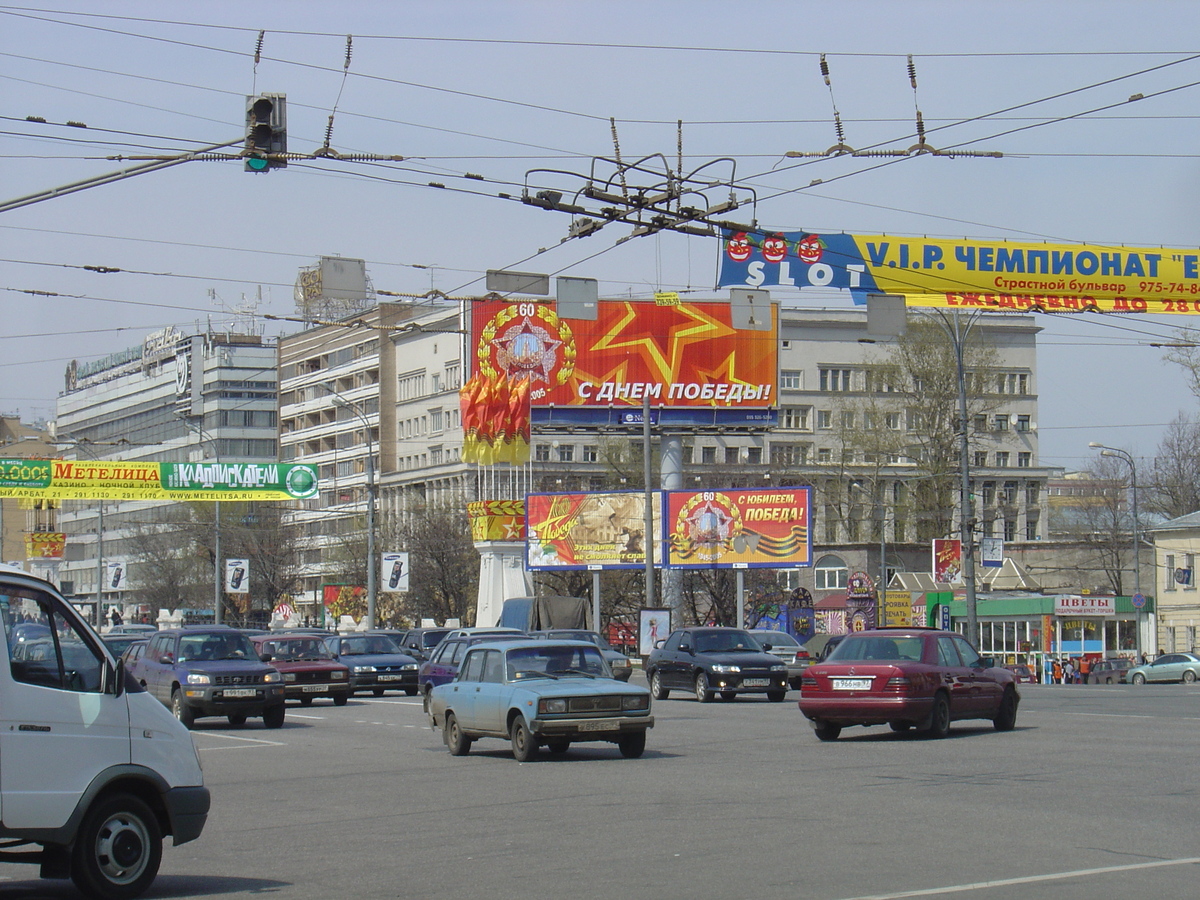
266, 132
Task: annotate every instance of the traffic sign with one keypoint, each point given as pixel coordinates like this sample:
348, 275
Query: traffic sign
1138, 600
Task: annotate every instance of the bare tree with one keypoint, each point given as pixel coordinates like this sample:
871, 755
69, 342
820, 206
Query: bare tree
443, 562
1100, 522
1173, 487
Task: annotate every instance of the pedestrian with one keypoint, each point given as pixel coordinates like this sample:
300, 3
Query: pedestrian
116, 617
1069, 672
1085, 668
1057, 671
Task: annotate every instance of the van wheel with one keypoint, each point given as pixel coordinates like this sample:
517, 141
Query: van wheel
118, 849
182, 711
273, 716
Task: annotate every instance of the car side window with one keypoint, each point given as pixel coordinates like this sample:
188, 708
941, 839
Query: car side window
970, 657
673, 641
493, 668
947, 654
473, 669
456, 652
62, 657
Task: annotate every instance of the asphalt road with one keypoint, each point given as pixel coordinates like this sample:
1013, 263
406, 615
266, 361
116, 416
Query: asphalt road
1094, 795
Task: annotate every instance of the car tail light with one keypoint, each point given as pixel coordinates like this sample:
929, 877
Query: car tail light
808, 681
899, 683
801, 656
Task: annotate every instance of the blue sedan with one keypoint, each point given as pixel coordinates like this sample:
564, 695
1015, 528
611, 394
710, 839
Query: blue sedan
539, 692
1183, 667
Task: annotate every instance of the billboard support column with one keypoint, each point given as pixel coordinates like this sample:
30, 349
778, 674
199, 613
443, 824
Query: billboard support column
596, 601
671, 472
740, 592
649, 536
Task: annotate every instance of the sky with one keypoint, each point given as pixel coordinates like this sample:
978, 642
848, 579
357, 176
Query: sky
483, 99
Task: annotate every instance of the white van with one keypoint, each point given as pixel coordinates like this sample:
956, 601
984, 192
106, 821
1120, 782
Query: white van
93, 770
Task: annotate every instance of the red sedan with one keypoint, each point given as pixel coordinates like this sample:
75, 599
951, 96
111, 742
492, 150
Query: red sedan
906, 678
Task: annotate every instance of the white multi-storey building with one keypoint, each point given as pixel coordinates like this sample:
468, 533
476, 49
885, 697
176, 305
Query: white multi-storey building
174, 398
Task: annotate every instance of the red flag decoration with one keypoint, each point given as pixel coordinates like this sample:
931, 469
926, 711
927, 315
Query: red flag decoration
495, 420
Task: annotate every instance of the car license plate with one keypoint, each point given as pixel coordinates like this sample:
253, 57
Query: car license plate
315, 688
389, 677
239, 692
599, 726
756, 682
851, 684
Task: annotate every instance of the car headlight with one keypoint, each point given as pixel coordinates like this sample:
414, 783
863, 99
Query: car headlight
338, 676
620, 663
359, 670
554, 705
778, 668
272, 678
727, 670
411, 667
198, 678
290, 676
637, 701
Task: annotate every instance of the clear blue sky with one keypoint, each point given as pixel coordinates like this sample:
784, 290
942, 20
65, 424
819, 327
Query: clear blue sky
496, 89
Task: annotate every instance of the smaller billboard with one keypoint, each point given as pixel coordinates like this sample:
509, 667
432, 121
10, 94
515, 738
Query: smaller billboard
394, 573
116, 575
45, 545
591, 530
739, 528
947, 561
237, 576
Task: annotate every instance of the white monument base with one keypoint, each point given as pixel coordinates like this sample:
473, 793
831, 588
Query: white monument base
501, 575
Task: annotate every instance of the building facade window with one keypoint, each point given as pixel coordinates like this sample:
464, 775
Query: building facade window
1010, 529
1000, 422
1002, 458
791, 380
591, 453
1024, 459
836, 380
824, 419
708, 455
1169, 565
830, 573
410, 385
541, 452
1024, 423
566, 452
980, 460
794, 417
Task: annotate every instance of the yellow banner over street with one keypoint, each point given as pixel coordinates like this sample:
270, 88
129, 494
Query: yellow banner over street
66, 479
1005, 275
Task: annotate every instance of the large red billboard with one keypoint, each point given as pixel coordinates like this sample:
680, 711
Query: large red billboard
767, 528
688, 359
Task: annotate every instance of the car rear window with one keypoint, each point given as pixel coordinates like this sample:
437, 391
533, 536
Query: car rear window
877, 649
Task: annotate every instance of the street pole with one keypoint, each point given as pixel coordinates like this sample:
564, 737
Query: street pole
372, 587
1127, 457
966, 515
649, 538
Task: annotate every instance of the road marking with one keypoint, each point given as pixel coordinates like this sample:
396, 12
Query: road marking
1032, 879
1117, 716
238, 737
292, 715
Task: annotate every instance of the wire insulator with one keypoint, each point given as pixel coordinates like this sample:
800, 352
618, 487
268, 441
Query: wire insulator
824, 69
912, 72
349, 47
837, 124
329, 131
920, 127
258, 47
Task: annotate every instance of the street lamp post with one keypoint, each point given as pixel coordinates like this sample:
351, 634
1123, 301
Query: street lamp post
218, 598
372, 588
878, 516
1127, 457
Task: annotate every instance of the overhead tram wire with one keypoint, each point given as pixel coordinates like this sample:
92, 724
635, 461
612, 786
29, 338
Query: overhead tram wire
16, 10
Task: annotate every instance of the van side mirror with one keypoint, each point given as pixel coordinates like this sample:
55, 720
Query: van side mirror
167, 658
118, 678
266, 657
766, 647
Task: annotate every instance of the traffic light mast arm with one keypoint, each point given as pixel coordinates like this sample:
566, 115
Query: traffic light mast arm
98, 180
